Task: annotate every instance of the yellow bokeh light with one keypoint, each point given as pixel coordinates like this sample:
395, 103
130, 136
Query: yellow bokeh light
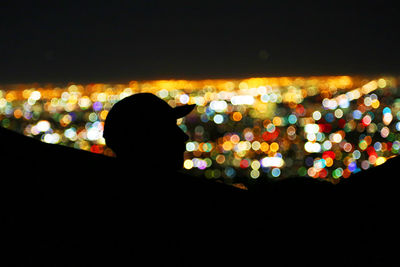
375, 103
274, 147
380, 160
264, 147
103, 114
382, 83
329, 162
188, 164
11, 96
227, 145
277, 121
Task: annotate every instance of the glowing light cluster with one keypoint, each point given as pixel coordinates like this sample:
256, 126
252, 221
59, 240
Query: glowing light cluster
321, 127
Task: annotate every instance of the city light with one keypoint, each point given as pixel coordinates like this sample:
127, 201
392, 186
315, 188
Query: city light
324, 127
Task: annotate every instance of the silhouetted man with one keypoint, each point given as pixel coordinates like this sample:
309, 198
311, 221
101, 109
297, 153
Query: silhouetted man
142, 130
178, 214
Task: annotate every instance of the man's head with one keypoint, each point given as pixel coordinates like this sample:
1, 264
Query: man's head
143, 127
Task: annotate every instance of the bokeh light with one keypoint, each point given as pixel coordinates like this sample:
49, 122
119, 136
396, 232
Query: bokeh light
324, 127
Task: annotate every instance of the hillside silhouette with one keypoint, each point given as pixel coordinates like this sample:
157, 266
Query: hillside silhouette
67, 207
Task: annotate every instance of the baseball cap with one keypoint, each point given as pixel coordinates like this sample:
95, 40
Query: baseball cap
137, 109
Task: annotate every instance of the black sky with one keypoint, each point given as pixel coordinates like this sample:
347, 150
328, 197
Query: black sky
56, 41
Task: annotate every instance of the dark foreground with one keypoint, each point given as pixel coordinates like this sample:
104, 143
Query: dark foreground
113, 214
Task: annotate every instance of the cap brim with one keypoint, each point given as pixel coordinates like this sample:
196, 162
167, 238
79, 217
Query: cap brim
182, 111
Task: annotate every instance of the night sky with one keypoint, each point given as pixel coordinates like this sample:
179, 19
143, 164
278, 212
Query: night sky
118, 41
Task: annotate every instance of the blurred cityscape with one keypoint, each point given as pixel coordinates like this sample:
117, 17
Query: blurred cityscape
241, 129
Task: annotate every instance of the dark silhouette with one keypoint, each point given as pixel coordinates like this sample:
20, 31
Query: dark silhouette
66, 207
140, 125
